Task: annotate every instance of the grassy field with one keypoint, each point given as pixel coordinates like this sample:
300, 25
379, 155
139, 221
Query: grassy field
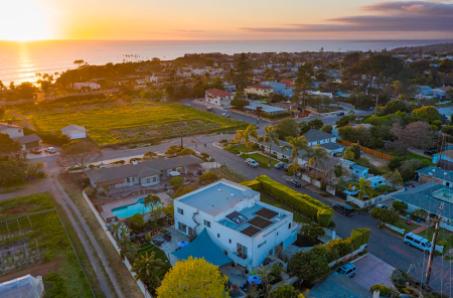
111, 123
36, 221
239, 148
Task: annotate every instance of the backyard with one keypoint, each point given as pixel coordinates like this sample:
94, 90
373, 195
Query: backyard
116, 122
34, 238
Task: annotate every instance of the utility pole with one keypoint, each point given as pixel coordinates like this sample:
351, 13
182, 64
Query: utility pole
429, 265
182, 142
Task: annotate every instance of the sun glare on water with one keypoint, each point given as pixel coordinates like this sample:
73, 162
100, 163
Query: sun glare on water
24, 20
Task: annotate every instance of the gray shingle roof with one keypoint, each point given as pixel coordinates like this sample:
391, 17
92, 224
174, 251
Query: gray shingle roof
437, 173
142, 169
28, 139
314, 135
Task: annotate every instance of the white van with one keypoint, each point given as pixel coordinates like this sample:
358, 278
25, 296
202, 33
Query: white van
417, 241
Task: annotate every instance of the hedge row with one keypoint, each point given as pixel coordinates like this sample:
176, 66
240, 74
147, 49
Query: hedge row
294, 200
338, 248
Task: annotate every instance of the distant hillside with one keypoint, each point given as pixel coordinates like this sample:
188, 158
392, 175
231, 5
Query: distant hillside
435, 48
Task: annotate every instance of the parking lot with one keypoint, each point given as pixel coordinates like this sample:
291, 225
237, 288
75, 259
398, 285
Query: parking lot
371, 270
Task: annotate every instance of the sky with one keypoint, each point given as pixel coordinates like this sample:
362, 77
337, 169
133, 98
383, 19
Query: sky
23, 20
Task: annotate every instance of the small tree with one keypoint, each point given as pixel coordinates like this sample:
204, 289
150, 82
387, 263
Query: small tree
385, 215
208, 178
136, 223
7, 145
312, 232
193, 278
310, 266
150, 270
80, 151
176, 182
399, 206
285, 291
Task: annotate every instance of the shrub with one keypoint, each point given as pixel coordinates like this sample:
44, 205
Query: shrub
136, 223
338, 248
310, 266
384, 291
385, 215
312, 232
302, 203
176, 182
419, 214
359, 237
207, 178
399, 206
285, 291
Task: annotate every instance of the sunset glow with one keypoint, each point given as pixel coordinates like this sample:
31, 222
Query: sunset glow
25, 20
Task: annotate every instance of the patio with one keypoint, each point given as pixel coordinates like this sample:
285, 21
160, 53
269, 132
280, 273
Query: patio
169, 247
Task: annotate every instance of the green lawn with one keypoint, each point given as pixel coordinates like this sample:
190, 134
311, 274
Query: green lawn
262, 159
111, 123
36, 221
401, 223
239, 148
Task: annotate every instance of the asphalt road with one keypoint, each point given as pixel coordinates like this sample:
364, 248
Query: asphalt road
384, 244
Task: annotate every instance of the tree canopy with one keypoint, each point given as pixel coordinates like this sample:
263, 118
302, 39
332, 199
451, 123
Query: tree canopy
193, 278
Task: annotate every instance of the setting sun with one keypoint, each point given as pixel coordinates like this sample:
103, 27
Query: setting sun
24, 20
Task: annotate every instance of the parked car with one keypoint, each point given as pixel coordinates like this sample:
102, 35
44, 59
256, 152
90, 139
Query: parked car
225, 114
345, 210
348, 269
417, 241
251, 162
294, 182
280, 165
36, 150
158, 240
51, 150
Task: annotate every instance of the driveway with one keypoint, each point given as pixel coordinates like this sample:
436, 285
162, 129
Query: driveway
371, 270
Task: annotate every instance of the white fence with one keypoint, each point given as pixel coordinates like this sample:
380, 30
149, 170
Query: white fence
126, 263
373, 201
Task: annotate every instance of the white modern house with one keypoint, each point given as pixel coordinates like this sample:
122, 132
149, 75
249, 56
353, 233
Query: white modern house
259, 90
74, 132
13, 131
230, 224
218, 97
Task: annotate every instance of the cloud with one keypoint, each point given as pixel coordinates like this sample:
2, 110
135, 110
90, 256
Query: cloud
396, 16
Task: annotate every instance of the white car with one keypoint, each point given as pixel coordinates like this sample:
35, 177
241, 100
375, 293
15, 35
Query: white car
51, 150
251, 162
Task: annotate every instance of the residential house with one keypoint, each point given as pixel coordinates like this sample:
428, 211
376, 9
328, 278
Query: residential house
29, 142
256, 105
376, 181
325, 140
218, 97
137, 177
91, 86
433, 198
26, 286
230, 224
74, 132
435, 175
258, 90
12, 130
356, 170
279, 88
426, 92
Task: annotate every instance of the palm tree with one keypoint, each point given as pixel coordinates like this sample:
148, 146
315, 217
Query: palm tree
152, 201
296, 144
244, 135
271, 137
364, 188
318, 160
149, 269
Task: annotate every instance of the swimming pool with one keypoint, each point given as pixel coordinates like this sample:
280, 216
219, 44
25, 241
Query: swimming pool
127, 211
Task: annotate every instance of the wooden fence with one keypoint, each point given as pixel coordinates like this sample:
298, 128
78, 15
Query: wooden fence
372, 152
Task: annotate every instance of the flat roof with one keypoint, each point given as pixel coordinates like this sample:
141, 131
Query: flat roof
436, 172
427, 197
218, 197
253, 105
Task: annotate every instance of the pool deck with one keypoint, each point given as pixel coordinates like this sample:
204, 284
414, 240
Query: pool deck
107, 208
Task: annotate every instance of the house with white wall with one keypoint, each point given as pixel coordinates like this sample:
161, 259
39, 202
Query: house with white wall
231, 219
13, 131
218, 97
258, 90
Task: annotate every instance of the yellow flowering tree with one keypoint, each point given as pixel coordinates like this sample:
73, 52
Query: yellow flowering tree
193, 278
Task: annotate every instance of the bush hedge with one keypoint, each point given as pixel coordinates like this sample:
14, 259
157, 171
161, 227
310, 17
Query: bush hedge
299, 202
338, 248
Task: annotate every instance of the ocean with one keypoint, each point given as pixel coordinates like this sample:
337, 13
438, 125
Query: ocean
20, 62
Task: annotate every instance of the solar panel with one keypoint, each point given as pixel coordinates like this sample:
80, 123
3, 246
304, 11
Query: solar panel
260, 222
250, 231
266, 213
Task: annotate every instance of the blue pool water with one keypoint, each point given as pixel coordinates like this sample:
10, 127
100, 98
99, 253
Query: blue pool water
127, 211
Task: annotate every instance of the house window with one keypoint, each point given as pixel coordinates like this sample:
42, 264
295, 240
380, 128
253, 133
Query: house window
218, 235
180, 211
207, 223
241, 251
154, 179
289, 226
182, 227
229, 241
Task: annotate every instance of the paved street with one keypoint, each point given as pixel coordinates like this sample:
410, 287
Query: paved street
385, 245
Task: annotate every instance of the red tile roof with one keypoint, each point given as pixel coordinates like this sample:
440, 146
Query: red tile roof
218, 93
